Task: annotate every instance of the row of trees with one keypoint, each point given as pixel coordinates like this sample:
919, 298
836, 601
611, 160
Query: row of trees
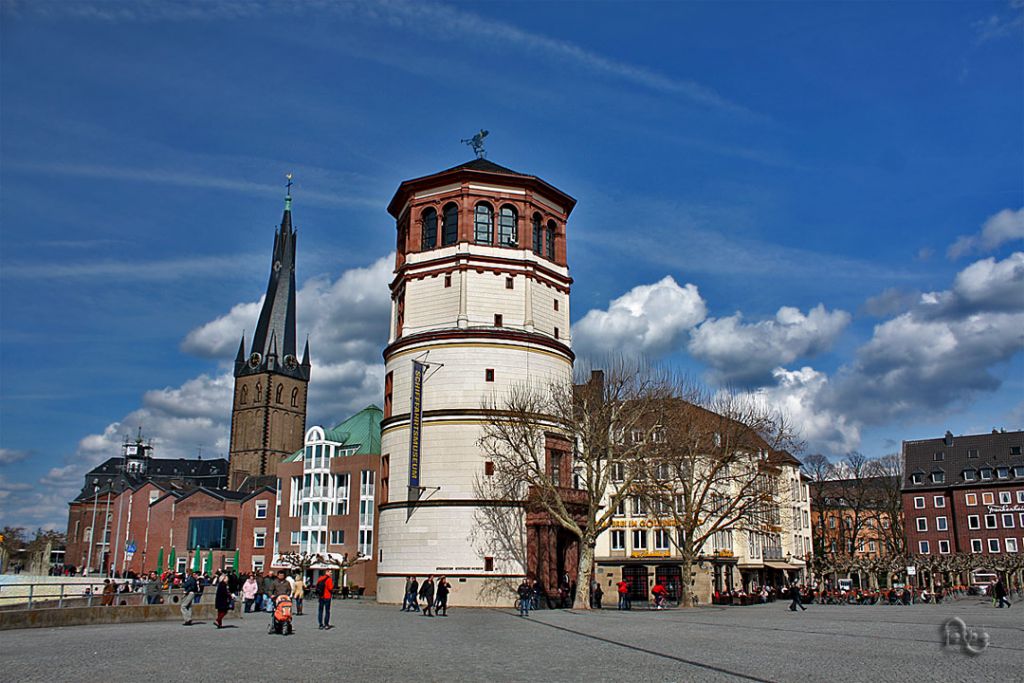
933, 570
696, 460
33, 552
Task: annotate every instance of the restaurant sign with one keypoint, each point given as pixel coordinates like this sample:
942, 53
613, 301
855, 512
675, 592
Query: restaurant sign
651, 553
993, 509
643, 523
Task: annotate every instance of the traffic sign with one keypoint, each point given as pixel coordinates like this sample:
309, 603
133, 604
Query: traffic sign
911, 571
130, 548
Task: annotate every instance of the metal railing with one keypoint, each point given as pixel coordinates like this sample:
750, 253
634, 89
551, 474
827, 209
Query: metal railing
52, 594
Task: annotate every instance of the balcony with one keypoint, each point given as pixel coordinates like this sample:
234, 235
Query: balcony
772, 552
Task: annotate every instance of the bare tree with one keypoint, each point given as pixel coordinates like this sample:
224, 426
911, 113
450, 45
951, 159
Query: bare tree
888, 510
711, 472
305, 561
569, 453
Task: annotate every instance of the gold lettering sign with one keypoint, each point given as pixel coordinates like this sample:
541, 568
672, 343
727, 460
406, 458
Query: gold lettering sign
643, 523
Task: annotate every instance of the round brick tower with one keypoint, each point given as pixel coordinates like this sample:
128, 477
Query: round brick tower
480, 302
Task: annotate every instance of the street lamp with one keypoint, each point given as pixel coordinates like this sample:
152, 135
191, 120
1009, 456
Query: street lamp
92, 528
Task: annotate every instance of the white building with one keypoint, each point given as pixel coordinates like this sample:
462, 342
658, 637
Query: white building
481, 299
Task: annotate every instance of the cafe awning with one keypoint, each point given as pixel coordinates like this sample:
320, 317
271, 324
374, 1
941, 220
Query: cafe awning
779, 565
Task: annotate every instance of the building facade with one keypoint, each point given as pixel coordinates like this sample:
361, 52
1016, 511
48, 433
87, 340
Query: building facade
852, 518
268, 413
480, 303
964, 494
327, 499
766, 548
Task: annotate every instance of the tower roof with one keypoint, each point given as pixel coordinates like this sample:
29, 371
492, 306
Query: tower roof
476, 169
275, 339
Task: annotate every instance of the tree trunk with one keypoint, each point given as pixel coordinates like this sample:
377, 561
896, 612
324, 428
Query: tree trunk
686, 582
584, 574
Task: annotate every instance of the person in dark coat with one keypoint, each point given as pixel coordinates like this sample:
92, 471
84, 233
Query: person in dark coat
222, 601
794, 593
443, 589
427, 595
999, 593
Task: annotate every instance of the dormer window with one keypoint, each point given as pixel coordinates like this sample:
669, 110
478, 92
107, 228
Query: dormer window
917, 478
1002, 472
1018, 470
938, 477
986, 472
1014, 450
970, 475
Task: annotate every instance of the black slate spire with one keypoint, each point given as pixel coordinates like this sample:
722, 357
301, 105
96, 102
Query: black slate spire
274, 340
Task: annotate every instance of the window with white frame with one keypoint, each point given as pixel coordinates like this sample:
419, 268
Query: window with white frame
1011, 545
973, 522
919, 502
1008, 520
1020, 495
639, 539
976, 545
939, 501
993, 545
341, 494
990, 522
923, 547
941, 524
618, 539
338, 537
1005, 498
938, 477
261, 509
366, 490
661, 539
970, 475
971, 499
922, 524
153, 495
944, 547
295, 537
872, 546
259, 538
618, 471
987, 498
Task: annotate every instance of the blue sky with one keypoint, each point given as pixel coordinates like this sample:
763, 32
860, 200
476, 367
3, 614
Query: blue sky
818, 202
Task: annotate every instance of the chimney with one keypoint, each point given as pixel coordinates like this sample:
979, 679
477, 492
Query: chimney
948, 440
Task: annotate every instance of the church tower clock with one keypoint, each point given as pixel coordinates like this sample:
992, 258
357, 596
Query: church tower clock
268, 416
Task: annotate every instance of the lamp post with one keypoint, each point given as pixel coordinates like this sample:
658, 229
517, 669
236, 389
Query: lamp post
92, 528
106, 545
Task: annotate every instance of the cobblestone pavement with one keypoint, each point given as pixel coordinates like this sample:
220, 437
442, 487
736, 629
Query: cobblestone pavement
371, 642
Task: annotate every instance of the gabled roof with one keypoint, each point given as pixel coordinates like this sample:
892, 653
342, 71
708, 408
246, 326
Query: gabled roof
959, 453
362, 430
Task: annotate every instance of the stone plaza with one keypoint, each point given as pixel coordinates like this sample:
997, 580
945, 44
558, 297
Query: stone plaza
371, 642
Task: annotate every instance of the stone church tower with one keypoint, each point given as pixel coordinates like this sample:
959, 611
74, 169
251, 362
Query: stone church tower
268, 416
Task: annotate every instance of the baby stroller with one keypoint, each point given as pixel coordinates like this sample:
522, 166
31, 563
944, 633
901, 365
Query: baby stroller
281, 617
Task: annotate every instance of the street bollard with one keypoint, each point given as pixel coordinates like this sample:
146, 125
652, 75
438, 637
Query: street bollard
31, 586
60, 599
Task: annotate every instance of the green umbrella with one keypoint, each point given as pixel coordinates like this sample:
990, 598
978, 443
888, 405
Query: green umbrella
195, 560
236, 563
160, 561
208, 567
171, 562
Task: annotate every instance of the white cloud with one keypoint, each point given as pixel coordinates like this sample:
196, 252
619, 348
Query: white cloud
9, 455
747, 353
648, 319
1005, 226
798, 394
219, 338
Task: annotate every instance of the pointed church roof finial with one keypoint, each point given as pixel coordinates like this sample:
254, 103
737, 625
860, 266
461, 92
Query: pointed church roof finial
288, 192
305, 354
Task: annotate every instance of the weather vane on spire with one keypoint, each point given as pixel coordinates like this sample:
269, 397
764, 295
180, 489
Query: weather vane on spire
288, 185
477, 143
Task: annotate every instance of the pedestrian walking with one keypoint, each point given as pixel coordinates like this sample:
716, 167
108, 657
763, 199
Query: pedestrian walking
525, 598
443, 589
188, 588
222, 599
623, 588
1000, 594
410, 594
427, 595
250, 589
794, 593
325, 592
299, 592
109, 592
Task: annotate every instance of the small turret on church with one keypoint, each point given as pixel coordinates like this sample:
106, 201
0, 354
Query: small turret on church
268, 417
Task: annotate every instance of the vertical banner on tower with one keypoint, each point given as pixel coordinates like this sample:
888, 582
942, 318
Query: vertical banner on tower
416, 424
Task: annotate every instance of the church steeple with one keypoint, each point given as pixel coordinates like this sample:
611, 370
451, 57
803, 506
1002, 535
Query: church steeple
274, 339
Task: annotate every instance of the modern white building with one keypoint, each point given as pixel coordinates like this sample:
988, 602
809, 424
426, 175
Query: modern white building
480, 301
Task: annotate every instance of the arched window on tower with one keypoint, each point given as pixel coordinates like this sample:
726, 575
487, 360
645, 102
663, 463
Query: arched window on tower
538, 234
295, 397
450, 225
259, 393
280, 389
429, 239
244, 398
483, 222
508, 226
551, 240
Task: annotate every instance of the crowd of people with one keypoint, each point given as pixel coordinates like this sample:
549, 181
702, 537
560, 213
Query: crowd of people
434, 596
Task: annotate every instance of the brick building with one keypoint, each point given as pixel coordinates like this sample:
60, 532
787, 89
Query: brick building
965, 494
329, 491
